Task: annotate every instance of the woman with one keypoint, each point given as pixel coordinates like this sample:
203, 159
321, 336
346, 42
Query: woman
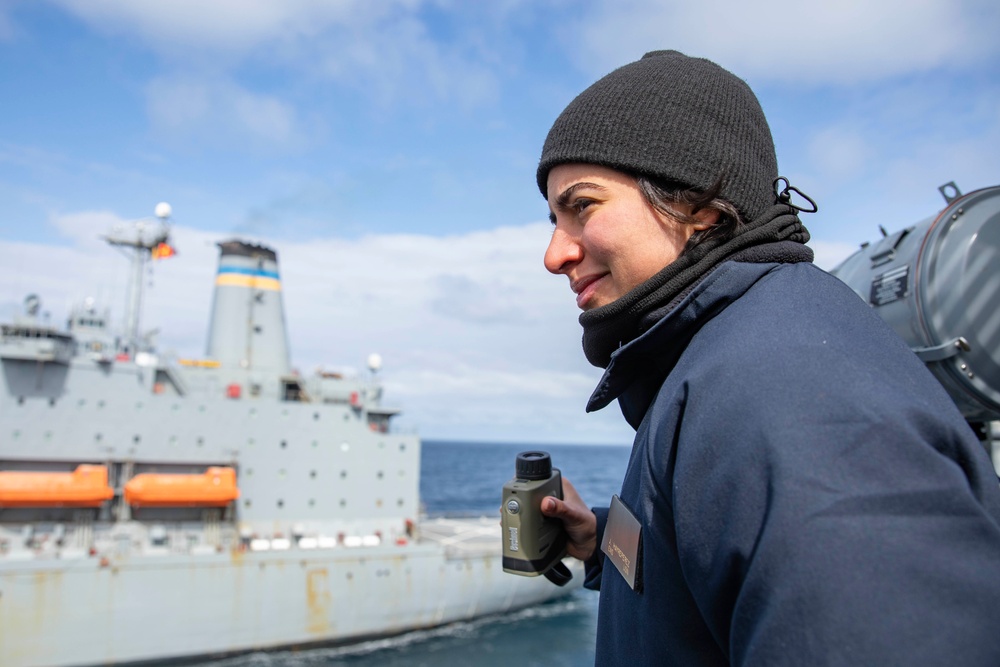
800, 490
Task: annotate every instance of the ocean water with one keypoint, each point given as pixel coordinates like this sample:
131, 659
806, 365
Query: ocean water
466, 478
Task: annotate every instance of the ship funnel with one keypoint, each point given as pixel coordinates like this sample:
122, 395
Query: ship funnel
248, 319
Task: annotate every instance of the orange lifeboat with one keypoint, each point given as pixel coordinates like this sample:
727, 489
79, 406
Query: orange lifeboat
87, 486
216, 487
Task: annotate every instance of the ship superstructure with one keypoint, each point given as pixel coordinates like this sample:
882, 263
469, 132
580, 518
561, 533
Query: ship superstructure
152, 510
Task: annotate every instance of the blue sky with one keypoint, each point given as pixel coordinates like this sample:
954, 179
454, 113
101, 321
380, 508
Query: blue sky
387, 151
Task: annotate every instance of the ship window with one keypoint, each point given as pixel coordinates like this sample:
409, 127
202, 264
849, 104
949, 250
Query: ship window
281, 503
284, 444
399, 502
343, 474
402, 446
52, 402
380, 474
312, 502
246, 503
315, 443
312, 474
343, 503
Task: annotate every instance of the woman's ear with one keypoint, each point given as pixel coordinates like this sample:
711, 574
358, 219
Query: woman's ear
706, 218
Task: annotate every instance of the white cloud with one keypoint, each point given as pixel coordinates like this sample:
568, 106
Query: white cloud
837, 153
829, 41
173, 26
382, 49
219, 112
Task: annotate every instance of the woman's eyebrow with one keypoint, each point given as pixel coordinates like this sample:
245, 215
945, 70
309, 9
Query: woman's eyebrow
563, 199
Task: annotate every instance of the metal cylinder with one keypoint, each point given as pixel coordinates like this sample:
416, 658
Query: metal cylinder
937, 284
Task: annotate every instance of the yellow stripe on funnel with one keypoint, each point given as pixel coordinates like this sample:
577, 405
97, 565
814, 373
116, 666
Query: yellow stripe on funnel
257, 282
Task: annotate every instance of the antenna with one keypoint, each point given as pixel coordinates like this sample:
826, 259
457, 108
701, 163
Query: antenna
138, 239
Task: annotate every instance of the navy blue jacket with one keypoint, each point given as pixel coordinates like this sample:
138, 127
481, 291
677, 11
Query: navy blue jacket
808, 493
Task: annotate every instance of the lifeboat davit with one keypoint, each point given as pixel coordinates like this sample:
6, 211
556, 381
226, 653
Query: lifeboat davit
87, 486
216, 487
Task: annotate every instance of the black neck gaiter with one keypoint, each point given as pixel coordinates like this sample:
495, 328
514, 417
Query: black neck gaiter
607, 328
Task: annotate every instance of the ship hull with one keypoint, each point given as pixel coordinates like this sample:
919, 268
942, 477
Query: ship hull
92, 611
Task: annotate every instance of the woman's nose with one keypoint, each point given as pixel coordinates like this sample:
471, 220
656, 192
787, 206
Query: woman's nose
563, 252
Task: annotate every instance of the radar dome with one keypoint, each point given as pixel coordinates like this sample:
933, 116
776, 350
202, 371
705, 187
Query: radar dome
163, 210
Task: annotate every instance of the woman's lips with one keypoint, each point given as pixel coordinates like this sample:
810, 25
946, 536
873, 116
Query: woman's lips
585, 288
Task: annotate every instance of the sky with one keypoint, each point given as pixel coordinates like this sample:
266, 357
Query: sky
386, 150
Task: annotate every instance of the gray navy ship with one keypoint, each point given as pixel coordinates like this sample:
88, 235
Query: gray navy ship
158, 509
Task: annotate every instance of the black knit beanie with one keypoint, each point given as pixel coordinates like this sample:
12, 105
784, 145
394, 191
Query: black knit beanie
684, 120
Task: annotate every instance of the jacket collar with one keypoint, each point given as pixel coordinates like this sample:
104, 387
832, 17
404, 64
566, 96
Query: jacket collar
637, 369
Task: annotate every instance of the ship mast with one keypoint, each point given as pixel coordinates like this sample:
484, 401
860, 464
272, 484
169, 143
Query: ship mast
138, 239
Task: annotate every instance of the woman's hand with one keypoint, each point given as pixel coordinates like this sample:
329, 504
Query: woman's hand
579, 521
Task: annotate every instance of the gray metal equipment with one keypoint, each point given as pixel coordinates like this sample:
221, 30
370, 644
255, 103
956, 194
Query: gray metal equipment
937, 284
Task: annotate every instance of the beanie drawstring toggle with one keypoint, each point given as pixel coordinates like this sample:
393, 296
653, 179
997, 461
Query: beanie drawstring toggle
785, 196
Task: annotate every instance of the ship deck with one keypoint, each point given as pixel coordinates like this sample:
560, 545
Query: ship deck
463, 537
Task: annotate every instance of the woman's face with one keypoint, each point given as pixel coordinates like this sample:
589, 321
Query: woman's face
607, 238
